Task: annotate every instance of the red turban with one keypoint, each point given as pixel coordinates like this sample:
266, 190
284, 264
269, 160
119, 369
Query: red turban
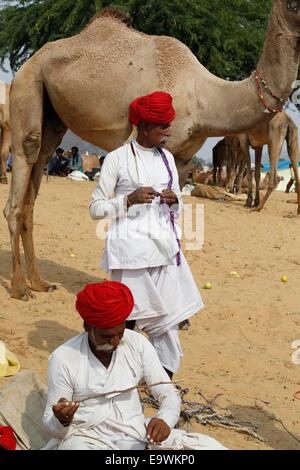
7, 438
105, 305
155, 108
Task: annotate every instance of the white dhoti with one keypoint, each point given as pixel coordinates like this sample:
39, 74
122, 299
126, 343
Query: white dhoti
177, 440
100, 438
164, 296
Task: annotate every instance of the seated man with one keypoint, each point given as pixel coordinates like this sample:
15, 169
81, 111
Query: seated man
58, 165
9, 162
93, 402
75, 160
103, 359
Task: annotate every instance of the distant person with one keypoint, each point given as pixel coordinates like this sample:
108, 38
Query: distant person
76, 163
101, 161
95, 171
58, 165
9, 162
292, 180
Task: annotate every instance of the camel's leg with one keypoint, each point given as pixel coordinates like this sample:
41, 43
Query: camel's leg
26, 115
293, 151
52, 135
14, 212
219, 176
258, 157
183, 168
4, 150
276, 139
231, 171
240, 173
245, 149
215, 165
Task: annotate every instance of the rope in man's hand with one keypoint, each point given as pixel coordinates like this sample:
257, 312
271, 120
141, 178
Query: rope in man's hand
101, 395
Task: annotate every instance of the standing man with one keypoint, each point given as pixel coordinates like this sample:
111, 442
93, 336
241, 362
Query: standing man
138, 189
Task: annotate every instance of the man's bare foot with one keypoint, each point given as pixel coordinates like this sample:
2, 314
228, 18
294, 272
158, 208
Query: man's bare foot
184, 325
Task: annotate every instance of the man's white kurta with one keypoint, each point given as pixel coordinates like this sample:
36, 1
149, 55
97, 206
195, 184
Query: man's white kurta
142, 236
74, 373
141, 246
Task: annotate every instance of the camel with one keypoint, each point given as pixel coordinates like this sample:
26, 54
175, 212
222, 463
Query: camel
109, 64
273, 134
225, 151
263, 185
5, 141
203, 177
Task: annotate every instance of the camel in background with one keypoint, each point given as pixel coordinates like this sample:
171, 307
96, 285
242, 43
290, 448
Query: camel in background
281, 128
5, 139
57, 89
226, 151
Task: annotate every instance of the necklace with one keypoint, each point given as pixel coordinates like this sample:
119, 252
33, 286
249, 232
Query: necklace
260, 82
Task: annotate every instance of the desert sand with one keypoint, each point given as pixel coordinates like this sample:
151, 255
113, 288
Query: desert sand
238, 346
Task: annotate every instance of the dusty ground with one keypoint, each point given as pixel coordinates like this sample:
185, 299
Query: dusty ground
239, 346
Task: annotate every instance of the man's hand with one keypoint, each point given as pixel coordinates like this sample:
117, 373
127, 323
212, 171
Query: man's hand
141, 196
168, 197
64, 411
157, 431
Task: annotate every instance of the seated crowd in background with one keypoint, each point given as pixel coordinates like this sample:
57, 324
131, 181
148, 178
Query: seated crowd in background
62, 165
9, 162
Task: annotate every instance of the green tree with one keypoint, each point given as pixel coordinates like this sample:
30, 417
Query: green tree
226, 35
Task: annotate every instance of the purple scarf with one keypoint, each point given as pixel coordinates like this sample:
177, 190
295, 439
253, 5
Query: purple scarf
170, 183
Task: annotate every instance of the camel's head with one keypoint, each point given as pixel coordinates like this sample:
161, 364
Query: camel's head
290, 10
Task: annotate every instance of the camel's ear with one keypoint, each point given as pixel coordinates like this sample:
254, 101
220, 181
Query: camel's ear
132, 136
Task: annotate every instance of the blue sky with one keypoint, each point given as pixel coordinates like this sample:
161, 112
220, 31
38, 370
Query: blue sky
5, 77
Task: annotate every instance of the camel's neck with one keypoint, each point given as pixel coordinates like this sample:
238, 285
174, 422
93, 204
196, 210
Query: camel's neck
234, 107
278, 64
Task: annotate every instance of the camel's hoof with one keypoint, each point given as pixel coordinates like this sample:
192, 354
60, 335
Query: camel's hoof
41, 286
24, 295
3, 180
52, 288
255, 209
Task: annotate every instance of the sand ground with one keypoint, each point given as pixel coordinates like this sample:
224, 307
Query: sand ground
238, 346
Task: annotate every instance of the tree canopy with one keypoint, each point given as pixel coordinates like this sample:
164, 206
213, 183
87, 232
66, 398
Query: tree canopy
226, 35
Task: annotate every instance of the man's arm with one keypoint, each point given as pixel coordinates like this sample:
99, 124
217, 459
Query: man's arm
167, 395
103, 204
59, 386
